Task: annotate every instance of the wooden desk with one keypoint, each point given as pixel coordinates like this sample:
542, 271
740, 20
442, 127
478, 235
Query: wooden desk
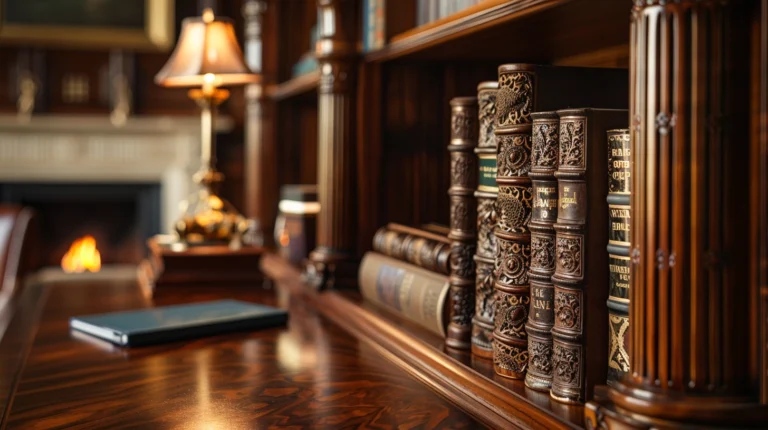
312, 374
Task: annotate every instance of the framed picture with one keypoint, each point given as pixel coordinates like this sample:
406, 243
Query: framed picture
130, 24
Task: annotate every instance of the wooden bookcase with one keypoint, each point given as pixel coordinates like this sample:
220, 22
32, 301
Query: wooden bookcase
281, 134
372, 130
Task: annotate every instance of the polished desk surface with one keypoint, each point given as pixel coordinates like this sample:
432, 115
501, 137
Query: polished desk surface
310, 374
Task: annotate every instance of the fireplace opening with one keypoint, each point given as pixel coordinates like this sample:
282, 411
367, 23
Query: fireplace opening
118, 217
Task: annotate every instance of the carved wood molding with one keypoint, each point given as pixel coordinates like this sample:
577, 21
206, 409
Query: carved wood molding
332, 262
692, 296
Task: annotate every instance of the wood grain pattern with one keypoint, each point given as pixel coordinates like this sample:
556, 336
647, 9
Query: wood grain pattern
456, 375
308, 375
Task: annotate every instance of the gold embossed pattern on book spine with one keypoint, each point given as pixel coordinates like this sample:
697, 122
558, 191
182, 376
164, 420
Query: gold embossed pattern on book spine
487, 191
544, 161
618, 252
514, 205
463, 220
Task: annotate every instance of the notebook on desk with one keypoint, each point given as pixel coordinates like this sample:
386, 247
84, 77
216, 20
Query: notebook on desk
172, 323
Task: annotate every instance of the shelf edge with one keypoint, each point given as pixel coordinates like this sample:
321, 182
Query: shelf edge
414, 40
483, 399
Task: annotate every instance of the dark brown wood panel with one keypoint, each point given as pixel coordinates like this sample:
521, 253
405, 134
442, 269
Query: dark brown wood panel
404, 166
542, 31
310, 374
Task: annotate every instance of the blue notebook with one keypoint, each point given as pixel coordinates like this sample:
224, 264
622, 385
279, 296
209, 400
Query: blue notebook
172, 323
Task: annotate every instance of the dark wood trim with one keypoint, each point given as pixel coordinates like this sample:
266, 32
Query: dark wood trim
461, 24
300, 85
482, 397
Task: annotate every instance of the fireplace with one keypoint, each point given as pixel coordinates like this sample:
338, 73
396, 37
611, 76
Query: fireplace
121, 217
87, 177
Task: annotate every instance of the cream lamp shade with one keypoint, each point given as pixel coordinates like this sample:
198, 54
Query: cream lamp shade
207, 53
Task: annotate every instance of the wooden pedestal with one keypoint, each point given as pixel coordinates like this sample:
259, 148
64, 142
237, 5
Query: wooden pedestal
199, 266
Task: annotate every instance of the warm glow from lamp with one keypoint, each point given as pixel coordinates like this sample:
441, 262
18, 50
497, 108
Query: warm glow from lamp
207, 56
207, 46
207, 15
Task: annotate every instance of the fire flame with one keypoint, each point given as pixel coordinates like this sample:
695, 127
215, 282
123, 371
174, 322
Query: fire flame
82, 256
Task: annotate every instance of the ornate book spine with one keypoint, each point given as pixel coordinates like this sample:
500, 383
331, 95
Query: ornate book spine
422, 251
618, 253
541, 316
514, 101
463, 234
412, 292
482, 322
580, 341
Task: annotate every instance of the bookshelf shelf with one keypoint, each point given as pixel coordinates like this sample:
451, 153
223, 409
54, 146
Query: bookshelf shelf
544, 31
297, 86
468, 382
374, 137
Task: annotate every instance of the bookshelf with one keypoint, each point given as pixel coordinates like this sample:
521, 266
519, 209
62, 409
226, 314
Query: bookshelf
491, 30
281, 134
372, 130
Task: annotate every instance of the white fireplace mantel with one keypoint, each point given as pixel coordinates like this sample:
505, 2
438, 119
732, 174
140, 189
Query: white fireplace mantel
58, 148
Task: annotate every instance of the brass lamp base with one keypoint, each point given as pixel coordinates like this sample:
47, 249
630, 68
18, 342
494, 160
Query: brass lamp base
207, 218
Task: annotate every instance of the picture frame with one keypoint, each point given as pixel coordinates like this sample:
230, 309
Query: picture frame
144, 25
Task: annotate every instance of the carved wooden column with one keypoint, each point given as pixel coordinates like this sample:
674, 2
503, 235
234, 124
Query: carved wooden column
254, 124
332, 262
693, 324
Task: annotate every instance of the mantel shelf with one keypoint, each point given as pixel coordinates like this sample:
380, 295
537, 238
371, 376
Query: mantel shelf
297, 86
520, 31
464, 380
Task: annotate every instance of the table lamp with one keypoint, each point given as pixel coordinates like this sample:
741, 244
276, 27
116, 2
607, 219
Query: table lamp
207, 57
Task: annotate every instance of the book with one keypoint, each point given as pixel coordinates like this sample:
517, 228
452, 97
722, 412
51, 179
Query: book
580, 278
544, 159
416, 246
177, 322
412, 292
463, 220
619, 171
523, 89
374, 21
482, 322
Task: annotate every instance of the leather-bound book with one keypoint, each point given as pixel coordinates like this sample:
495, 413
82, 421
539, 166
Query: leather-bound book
463, 233
513, 239
482, 322
523, 89
541, 316
413, 245
618, 253
410, 291
580, 341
